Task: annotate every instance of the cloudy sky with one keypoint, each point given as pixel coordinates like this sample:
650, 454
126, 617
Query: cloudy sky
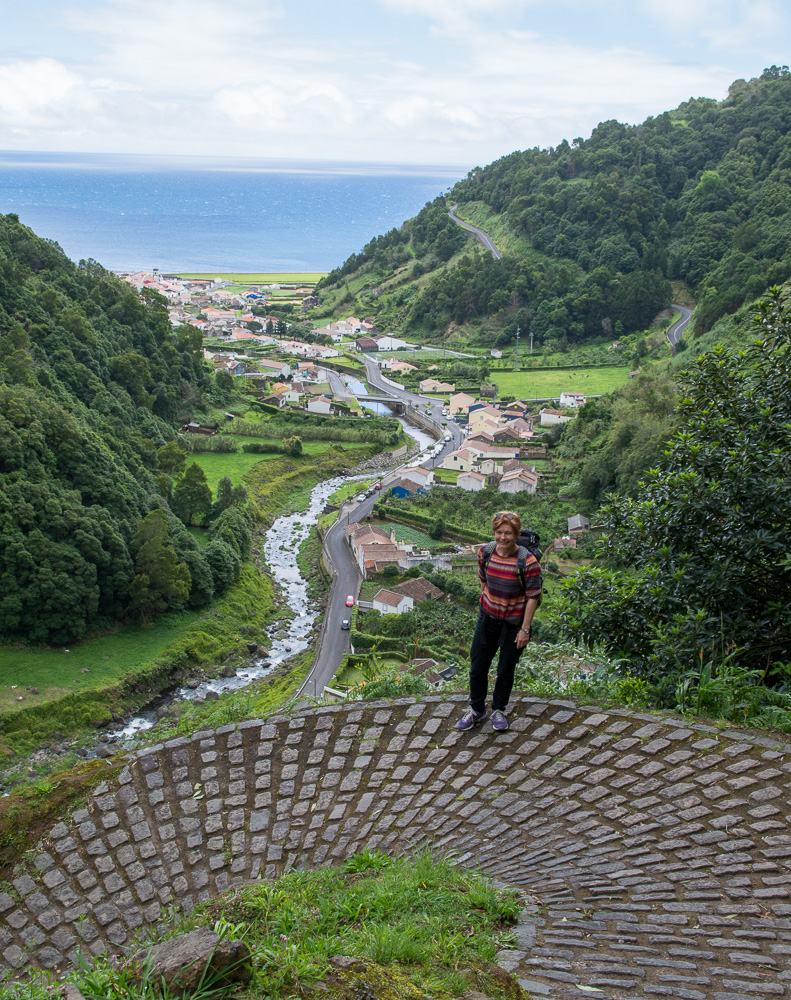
409, 81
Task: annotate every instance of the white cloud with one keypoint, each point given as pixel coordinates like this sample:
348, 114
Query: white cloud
726, 24
464, 81
40, 93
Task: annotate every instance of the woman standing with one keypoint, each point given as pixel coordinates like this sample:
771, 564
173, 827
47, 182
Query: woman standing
510, 590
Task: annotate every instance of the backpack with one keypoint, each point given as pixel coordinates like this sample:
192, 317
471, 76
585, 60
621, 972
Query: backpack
530, 541
528, 545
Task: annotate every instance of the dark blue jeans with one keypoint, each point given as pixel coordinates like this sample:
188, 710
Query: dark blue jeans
491, 634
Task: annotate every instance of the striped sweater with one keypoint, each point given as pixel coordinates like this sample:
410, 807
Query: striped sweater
502, 595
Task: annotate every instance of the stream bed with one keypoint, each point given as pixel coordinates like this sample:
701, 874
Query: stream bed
287, 638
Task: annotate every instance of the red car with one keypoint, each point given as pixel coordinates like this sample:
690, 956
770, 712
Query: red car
350, 601
378, 486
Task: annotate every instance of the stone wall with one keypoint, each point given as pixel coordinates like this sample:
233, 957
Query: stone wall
653, 854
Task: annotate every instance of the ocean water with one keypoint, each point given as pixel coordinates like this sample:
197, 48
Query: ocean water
212, 214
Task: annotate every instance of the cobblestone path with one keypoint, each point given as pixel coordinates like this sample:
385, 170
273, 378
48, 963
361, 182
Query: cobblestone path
654, 855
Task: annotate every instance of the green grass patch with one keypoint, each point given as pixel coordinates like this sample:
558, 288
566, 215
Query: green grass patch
201, 535
547, 383
342, 494
414, 921
217, 465
262, 277
446, 475
97, 663
412, 535
82, 688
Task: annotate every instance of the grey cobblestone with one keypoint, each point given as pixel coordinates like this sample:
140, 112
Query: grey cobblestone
654, 853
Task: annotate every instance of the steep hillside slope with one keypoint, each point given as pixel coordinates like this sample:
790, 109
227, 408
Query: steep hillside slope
92, 378
593, 230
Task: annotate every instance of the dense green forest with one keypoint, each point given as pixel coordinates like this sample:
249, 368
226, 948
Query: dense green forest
594, 230
93, 381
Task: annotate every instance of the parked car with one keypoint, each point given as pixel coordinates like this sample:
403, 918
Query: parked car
350, 601
346, 624
361, 497
378, 486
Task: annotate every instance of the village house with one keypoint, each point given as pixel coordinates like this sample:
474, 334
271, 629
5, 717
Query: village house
394, 365
373, 549
524, 428
571, 400
391, 344
419, 475
482, 438
460, 403
486, 467
461, 459
578, 524
289, 395
390, 603
505, 435
406, 488
432, 385
483, 416
320, 404
471, 481
419, 589
518, 481
564, 543
550, 418
279, 368
366, 344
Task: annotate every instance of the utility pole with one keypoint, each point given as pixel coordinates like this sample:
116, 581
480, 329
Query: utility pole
531, 341
516, 351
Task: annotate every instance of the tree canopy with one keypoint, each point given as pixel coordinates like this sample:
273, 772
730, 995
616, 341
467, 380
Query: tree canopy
701, 552
597, 227
92, 381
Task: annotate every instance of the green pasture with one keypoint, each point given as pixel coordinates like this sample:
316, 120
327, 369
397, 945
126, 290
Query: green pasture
261, 277
534, 384
412, 535
446, 476
57, 673
217, 466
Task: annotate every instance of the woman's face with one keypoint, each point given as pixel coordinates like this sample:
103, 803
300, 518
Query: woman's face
505, 534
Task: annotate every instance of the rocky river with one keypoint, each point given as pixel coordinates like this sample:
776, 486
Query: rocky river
287, 638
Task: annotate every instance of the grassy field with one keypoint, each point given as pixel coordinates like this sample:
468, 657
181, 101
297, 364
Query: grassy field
591, 381
217, 465
429, 921
86, 666
412, 535
101, 662
262, 277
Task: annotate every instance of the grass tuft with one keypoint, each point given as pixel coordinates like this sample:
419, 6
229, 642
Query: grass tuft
421, 919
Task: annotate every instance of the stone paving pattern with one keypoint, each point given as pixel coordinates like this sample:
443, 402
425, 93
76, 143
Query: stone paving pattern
654, 855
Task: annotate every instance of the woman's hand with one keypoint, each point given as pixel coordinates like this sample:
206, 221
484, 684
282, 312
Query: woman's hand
522, 639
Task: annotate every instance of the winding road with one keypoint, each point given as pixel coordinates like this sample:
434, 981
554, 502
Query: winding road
675, 331
334, 642
487, 241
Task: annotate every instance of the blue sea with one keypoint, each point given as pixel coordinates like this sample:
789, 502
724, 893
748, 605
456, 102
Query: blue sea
208, 214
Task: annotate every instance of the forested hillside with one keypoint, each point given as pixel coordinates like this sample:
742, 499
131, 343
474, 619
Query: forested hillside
593, 231
92, 379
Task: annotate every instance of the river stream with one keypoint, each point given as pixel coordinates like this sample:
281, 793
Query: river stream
281, 545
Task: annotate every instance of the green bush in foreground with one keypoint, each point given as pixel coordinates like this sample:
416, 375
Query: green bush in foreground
702, 571
420, 916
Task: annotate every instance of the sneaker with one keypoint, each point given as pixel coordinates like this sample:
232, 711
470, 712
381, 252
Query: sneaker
499, 721
471, 718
